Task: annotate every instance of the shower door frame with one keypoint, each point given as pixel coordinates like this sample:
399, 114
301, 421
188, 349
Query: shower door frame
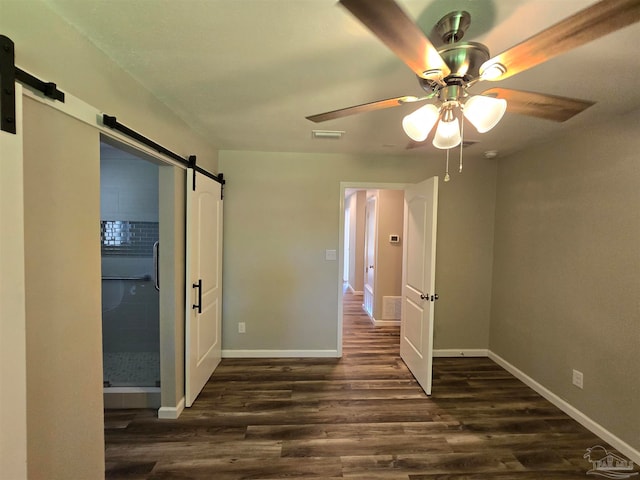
116, 389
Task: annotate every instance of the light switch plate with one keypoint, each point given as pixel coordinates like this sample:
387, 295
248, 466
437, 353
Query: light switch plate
330, 255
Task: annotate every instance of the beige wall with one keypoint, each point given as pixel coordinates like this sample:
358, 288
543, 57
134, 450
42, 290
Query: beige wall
172, 182
356, 201
49, 48
63, 314
351, 209
567, 270
282, 211
388, 278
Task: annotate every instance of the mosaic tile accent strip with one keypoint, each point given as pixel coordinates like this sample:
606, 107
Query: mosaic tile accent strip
127, 238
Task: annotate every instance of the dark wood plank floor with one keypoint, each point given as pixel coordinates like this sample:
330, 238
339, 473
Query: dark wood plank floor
359, 417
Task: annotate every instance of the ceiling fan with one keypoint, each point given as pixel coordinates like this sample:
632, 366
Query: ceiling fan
446, 73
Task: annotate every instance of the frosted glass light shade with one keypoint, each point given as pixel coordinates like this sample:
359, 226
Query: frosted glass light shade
418, 124
484, 112
447, 134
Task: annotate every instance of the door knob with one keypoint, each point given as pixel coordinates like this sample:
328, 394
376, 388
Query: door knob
371, 267
424, 297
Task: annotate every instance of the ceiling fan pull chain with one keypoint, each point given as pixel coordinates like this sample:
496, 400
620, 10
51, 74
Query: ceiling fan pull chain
446, 173
461, 141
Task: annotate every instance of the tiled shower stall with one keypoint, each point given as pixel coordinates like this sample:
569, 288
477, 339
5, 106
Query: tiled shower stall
130, 299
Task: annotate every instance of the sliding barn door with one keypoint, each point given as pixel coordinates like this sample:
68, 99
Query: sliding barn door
418, 280
13, 373
203, 334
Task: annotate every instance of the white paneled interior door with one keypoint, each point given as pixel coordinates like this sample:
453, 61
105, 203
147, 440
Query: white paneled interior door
203, 336
418, 280
370, 255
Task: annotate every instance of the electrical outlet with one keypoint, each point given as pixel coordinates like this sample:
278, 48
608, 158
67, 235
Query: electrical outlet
242, 328
578, 379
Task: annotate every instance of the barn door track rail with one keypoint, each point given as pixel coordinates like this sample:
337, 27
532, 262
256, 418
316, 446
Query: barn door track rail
9, 74
190, 162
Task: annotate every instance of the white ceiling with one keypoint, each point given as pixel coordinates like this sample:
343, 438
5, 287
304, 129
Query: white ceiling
246, 73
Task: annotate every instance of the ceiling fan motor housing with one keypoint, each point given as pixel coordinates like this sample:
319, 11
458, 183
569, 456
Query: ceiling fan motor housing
452, 27
464, 60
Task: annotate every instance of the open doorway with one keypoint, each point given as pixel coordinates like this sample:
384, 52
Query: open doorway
140, 293
417, 257
129, 246
372, 262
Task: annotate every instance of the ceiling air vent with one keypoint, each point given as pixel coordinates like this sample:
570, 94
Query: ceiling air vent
327, 134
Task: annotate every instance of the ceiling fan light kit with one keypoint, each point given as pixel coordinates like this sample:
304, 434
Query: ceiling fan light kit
484, 112
448, 130
446, 73
418, 124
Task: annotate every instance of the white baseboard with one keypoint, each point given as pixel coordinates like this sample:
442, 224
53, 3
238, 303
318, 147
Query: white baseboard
171, 413
355, 292
461, 352
280, 354
570, 410
385, 323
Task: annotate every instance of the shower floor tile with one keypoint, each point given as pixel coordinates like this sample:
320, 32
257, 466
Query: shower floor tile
132, 369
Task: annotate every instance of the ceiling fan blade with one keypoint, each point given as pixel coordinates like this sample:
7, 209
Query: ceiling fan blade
391, 24
593, 22
365, 107
549, 107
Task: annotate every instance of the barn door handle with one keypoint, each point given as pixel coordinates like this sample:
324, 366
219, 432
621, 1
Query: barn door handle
199, 304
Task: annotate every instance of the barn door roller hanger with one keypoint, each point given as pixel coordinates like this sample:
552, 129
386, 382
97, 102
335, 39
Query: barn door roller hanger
9, 74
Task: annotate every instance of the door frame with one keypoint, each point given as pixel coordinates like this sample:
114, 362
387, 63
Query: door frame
343, 188
171, 171
167, 224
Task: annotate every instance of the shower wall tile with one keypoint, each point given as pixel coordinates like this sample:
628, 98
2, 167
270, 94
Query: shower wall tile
128, 238
139, 340
128, 229
108, 200
128, 189
130, 319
